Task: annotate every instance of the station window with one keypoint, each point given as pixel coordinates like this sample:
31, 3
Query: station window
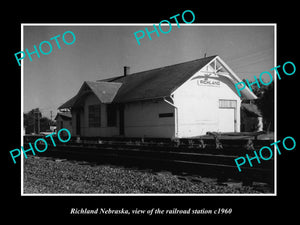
94, 115
161, 115
224, 103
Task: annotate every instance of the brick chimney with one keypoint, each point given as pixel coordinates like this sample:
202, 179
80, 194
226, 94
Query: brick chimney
126, 70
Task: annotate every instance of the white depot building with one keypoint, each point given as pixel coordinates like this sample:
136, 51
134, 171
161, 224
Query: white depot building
182, 100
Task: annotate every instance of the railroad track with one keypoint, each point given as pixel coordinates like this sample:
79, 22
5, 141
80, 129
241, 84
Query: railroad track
210, 162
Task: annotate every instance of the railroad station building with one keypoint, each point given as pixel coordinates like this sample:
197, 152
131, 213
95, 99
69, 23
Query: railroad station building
177, 101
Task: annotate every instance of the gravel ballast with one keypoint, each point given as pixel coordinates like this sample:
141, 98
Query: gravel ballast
57, 176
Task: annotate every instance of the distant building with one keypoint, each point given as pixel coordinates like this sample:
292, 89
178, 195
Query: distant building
53, 128
64, 120
182, 100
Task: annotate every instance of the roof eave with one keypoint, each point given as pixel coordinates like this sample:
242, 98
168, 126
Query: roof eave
252, 95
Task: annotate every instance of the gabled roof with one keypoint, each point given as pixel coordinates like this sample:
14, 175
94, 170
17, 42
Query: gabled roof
150, 84
64, 115
157, 83
104, 91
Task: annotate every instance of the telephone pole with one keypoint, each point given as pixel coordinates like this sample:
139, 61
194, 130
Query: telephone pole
34, 121
38, 122
36, 111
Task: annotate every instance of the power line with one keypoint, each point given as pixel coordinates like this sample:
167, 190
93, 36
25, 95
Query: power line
250, 55
252, 72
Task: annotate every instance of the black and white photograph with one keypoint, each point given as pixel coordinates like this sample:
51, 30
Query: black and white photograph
139, 112
162, 116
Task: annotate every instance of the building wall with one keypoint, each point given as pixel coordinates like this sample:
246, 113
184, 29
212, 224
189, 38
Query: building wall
197, 101
142, 119
74, 118
61, 123
85, 130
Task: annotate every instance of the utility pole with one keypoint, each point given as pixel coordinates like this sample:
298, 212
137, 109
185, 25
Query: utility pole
51, 115
38, 119
34, 121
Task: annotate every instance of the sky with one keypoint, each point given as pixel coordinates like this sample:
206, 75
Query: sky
102, 51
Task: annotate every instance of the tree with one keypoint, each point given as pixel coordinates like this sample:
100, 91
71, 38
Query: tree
34, 122
265, 103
